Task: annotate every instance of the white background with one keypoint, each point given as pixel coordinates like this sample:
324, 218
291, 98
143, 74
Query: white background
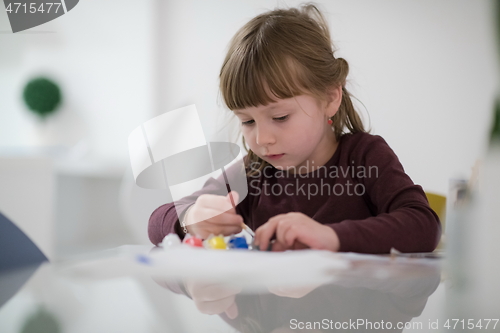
425, 70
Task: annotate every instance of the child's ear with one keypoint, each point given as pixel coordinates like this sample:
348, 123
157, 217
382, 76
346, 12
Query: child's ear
334, 98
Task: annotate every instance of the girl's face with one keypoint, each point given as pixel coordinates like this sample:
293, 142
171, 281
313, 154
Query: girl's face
291, 132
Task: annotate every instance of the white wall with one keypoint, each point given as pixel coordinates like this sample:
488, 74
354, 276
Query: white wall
27, 188
101, 54
425, 70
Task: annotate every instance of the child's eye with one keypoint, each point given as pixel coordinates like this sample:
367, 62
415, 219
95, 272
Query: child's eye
249, 122
281, 118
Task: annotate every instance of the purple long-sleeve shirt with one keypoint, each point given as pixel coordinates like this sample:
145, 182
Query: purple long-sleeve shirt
362, 193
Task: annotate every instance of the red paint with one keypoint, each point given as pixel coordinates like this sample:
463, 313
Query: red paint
193, 241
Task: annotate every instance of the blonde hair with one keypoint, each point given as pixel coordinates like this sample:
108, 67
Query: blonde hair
281, 54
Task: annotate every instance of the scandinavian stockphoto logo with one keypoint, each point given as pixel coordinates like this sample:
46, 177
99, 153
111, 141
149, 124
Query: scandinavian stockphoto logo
170, 152
28, 14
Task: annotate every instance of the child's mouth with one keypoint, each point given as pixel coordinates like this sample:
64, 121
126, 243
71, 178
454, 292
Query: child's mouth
274, 157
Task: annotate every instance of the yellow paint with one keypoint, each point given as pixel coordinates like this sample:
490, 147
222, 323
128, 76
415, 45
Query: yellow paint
217, 243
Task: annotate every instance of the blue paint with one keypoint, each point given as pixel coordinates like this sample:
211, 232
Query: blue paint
238, 243
143, 259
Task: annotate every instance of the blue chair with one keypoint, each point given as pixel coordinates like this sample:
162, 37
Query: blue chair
19, 259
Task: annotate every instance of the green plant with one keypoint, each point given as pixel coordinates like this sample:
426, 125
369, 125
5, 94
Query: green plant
495, 128
42, 96
41, 321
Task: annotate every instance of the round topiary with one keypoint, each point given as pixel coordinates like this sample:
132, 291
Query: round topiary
41, 321
42, 96
495, 128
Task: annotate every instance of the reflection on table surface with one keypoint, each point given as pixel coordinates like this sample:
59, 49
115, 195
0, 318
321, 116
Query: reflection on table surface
109, 292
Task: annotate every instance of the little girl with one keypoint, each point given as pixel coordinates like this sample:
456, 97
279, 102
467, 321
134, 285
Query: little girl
316, 179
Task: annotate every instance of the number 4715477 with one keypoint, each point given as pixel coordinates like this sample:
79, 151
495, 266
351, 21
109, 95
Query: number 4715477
470, 324
32, 7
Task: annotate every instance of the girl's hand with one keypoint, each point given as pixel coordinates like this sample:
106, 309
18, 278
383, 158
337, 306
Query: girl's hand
293, 292
213, 298
296, 231
213, 214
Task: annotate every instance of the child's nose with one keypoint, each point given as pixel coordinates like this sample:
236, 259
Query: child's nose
264, 136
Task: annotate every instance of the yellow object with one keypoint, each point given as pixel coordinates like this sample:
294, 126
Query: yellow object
438, 205
217, 243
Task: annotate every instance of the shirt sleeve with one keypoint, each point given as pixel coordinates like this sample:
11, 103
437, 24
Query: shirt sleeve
164, 219
402, 216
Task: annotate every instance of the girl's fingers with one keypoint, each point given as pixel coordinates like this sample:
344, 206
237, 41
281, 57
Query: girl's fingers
290, 234
227, 219
282, 229
264, 233
228, 231
218, 203
232, 311
299, 246
207, 230
214, 292
225, 224
214, 216
279, 247
233, 198
215, 307
296, 245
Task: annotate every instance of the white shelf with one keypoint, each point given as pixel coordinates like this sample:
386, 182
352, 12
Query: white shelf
91, 168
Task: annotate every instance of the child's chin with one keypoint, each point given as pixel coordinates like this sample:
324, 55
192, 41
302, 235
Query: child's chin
280, 166
283, 168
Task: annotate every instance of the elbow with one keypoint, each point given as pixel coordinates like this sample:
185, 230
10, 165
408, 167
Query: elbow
433, 234
154, 224
153, 237
437, 233
426, 234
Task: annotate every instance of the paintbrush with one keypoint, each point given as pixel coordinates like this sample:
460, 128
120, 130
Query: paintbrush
243, 225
